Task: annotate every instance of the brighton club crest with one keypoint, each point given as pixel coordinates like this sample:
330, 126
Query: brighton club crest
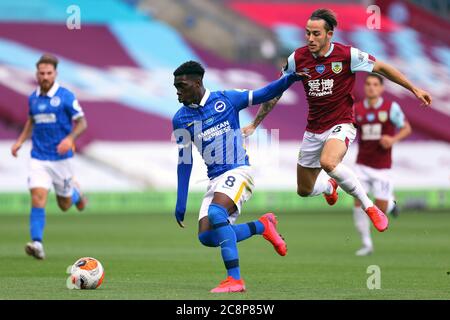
382, 116
55, 101
336, 67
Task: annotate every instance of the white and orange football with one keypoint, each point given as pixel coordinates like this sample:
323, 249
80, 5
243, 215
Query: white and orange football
87, 273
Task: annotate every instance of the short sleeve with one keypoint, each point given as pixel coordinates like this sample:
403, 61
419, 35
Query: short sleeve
73, 106
396, 116
361, 61
290, 65
239, 98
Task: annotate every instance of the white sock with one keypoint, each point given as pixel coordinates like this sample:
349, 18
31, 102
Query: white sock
391, 205
38, 245
322, 185
348, 181
362, 224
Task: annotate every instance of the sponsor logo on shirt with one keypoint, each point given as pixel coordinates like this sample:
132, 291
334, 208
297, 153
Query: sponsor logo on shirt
336, 67
370, 117
215, 131
371, 131
320, 68
42, 106
320, 88
209, 121
45, 118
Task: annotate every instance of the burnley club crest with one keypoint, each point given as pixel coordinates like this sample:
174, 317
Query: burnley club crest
336, 67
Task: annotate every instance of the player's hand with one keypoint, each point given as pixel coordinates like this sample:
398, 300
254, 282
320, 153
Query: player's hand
65, 145
423, 96
15, 148
387, 141
180, 218
248, 130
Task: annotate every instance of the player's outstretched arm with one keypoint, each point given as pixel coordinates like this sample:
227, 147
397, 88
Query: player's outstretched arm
184, 170
269, 96
277, 87
396, 76
24, 135
263, 111
68, 142
387, 141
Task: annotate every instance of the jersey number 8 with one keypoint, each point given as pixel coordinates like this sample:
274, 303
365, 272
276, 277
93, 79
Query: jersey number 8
230, 181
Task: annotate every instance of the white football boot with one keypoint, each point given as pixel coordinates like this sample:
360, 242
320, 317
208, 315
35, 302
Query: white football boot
364, 251
35, 249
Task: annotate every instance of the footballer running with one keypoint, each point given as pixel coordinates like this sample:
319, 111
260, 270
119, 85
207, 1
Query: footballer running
331, 126
210, 121
52, 109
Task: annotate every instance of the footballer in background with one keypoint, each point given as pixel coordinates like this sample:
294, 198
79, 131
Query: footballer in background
380, 124
52, 109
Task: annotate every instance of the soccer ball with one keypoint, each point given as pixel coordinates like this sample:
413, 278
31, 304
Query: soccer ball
87, 273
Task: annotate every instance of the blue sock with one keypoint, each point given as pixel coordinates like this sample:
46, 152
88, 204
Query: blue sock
243, 231
218, 218
208, 238
246, 230
75, 196
37, 223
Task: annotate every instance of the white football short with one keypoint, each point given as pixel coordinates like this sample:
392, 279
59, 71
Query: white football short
312, 144
236, 183
45, 174
377, 182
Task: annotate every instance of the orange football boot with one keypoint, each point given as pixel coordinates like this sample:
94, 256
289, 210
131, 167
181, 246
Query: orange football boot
230, 285
83, 200
82, 203
271, 234
333, 197
379, 219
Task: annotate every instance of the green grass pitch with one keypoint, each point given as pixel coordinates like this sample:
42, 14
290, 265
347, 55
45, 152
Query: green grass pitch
150, 257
